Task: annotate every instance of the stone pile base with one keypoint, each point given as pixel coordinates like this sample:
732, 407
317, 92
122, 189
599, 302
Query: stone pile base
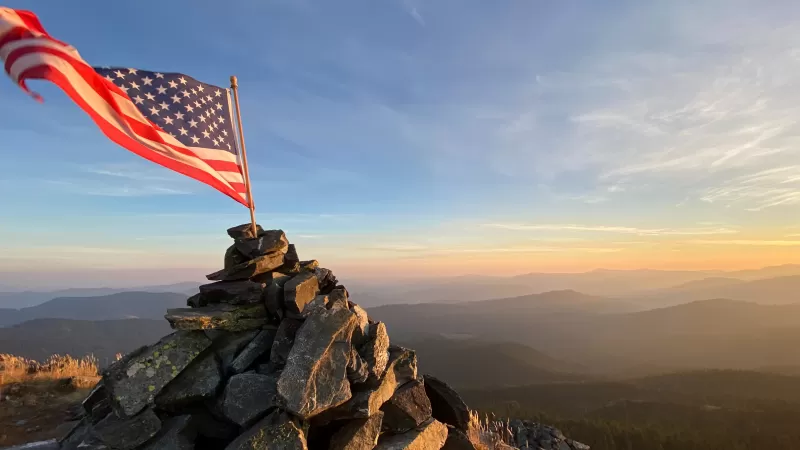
274, 355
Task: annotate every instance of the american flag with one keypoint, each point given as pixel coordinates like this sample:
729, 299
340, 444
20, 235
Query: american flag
168, 118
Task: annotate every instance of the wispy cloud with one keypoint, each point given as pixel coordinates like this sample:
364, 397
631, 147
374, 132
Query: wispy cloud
748, 242
613, 229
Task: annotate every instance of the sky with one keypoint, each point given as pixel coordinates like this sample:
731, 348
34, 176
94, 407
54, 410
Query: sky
422, 138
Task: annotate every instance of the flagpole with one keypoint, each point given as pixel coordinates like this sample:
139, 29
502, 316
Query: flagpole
252, 205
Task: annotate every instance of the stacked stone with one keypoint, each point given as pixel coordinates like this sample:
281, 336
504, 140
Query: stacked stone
271, 355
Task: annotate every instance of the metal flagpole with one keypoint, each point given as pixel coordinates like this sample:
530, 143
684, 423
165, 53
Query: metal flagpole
235, 89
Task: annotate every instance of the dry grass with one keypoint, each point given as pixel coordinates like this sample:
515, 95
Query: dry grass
488, 433
14, 369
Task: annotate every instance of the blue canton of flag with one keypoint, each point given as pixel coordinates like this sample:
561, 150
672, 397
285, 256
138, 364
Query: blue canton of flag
196, 114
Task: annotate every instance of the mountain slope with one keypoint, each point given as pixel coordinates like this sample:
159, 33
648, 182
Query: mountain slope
25, 299
145, 305
38, 339
473, 363
768, 291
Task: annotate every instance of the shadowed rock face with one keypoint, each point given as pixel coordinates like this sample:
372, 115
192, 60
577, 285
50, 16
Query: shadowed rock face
277, 358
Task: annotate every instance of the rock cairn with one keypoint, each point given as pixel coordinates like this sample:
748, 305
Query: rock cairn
274, 355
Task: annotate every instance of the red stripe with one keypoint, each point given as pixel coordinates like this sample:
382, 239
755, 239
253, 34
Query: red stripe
51, 74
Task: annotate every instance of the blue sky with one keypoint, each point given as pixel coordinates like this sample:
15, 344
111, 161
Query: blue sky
414, 137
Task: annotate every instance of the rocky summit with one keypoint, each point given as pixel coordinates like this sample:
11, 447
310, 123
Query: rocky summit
273, 354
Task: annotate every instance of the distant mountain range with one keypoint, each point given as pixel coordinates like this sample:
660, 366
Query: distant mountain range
143, 305
24, 299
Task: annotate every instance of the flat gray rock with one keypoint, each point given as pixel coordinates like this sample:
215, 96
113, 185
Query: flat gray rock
221, 316
274, 432
447, 405
177, 433
299, 291
315, 376
227, 345
430, 436
249, 268
245, 231
233, 257
269, 242
134, 381
198, 382
258, 347
358, 434
238, 292
282, 345
408, 408
52, 444
248, 397
125, 434
457, 440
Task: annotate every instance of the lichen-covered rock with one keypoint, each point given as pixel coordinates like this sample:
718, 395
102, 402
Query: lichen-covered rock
315, 376
199, 381
245, 231
358, 434
177, 433
135, 380
239, 292
282, 345
220, 316
375, 350
248, 397
430, 436
408, 408
269, 242
128, 433
299, 291
258, 347
447, 405
249, 268
274, 432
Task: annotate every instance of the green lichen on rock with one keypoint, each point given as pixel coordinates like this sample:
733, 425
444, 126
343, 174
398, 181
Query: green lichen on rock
220, 316
134, 380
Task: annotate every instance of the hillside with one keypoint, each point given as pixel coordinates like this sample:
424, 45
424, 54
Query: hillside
143, 305
25, 299
470, 363
40, 338
698, 335
768, 291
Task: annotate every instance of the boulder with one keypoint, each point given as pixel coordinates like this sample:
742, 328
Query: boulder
233, 292
98, 394
177, 433
249, 268
209, 426
357, 370
320, 302
408, 408
339, 295
274, 432
430, 436
248, 397
270, 241
447, 405
273, 297
220, 316
258, 347
282, 345
51, 444
227, 345
358, 434
457, 440
233, 257
326, 279
299, 291
527, 434
127, 433
245, 231
375, 350
135, 380
198, 382
360, 334
315, 376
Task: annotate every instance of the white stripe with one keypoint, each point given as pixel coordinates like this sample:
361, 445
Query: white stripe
104, 110
9, 19
6, 49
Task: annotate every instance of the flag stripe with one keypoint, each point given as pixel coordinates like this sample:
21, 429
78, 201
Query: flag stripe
29, 53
